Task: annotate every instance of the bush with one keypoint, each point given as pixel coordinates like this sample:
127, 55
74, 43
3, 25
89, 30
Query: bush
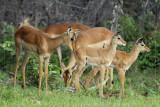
7, 49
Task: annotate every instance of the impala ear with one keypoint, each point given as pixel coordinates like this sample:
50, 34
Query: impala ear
24, 19
117, 33
63, 69
140, 40
63, 66
75, 34
69, 30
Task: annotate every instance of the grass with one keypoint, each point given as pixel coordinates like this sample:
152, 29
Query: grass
135, 86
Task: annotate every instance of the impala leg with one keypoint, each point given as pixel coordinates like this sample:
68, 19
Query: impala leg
40, 71
46, 71
59, 54
121, 74
111, 78
96, 78
18, 52
77, 74
89, 76
23, 67
102, 71
107, 75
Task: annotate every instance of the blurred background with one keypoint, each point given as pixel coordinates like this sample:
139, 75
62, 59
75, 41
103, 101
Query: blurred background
137, 18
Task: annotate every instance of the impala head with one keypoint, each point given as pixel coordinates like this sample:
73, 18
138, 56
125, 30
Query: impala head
24, 22
74, 37
71, 31
141, 46
117, 39
67, 74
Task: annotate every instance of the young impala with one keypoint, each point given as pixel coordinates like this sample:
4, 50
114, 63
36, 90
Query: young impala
99, 57
122, 61
32, 40
93, 37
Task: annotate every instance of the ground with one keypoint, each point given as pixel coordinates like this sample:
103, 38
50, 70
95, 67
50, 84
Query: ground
141, 91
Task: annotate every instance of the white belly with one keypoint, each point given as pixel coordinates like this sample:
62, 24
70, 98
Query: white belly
92, 61
112, 66
97, 61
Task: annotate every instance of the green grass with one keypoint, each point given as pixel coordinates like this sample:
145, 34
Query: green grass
135, 85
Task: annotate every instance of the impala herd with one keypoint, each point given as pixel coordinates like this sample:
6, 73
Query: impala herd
94, 47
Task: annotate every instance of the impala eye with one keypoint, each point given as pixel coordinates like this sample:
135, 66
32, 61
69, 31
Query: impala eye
142, 45
119, 38
70, 76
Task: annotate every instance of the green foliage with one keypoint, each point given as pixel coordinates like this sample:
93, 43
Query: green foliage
130, 28
7, 50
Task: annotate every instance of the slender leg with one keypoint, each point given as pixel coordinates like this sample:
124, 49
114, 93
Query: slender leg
111, 78
102, 71
40, 71
90, 74
18, 52
46, 71
23, 67
107, 75
96, 78
76, 75
59, 55
121, 74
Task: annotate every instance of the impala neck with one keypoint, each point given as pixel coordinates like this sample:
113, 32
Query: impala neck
54, 43
74, 46
134, 54
112, 49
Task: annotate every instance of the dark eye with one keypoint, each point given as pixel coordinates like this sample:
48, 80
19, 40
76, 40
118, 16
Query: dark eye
70, 76
142, 45
119, 38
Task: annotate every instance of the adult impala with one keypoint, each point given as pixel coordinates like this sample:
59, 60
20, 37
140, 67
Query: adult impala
122, 61
34, 41
57, 29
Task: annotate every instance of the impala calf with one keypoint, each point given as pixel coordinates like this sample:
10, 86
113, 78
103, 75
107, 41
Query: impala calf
32, 40
96, 57
122, 61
